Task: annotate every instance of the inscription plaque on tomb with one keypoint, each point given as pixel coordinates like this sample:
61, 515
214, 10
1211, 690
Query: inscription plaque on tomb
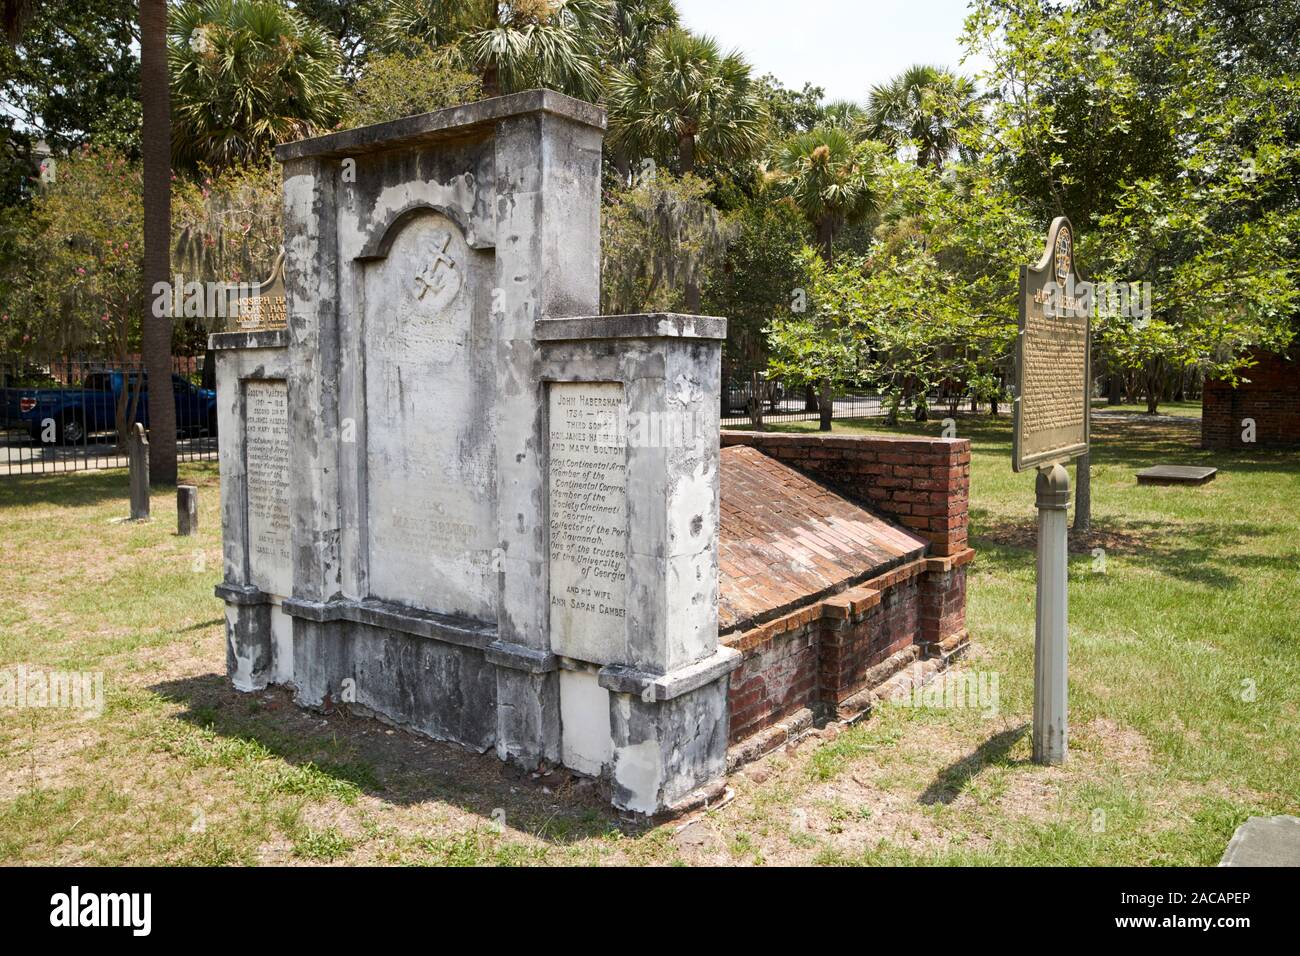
1051, 411
266, 463
588, 521
429, 393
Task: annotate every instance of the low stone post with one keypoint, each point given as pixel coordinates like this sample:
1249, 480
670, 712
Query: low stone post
187, 510
1051, 684
138, 459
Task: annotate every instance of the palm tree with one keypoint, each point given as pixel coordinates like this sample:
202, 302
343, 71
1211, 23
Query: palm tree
927, 106
514, 46
635, 26
246, 75
155, 148
156, 190
830, 178
687, 101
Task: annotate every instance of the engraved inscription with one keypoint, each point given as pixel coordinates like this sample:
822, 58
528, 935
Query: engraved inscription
1051, 411
430, 457
259, 312
266, 455
588, 521
1055, 357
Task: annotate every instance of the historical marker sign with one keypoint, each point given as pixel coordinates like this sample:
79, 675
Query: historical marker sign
263, 306
1052, 414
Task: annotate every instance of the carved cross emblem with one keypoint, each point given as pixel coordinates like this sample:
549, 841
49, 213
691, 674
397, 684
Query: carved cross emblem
430, 279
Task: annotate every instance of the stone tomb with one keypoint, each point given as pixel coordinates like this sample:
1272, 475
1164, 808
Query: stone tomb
453, 502
436, 506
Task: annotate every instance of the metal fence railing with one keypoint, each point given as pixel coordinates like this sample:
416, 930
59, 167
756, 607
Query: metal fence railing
796, 403
65, 414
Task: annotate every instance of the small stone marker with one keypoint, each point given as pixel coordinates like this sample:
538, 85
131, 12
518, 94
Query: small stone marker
187, 510
138, 457
1176, 475
1264, 841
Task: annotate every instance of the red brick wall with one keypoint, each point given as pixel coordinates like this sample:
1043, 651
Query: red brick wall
1271, 398
922, 483
821, 655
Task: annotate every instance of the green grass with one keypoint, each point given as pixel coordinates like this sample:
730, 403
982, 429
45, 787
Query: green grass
1184, 672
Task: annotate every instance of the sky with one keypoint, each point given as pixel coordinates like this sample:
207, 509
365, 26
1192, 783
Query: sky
843, 46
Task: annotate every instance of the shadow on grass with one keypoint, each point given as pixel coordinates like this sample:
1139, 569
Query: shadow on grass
952, 779
397, 766
90, 487
1195, 552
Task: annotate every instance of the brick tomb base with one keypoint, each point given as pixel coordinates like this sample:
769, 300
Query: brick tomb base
843, 560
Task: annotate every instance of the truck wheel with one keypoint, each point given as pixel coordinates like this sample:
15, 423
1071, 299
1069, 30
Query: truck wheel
71, 430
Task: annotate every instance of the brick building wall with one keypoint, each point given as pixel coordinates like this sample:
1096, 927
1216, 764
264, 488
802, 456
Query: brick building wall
1271, 398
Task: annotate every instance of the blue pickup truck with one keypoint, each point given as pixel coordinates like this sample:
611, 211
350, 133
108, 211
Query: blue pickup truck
79, 413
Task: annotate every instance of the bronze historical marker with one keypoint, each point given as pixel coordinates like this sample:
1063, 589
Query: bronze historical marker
264, 308
1052, 413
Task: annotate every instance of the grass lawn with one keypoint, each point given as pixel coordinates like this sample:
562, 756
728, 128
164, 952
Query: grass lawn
1184, 681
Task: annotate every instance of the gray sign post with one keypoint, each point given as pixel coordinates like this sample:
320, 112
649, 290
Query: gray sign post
1051, 425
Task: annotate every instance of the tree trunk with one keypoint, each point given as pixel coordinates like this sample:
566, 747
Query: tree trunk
826, 405
1115, 391
826, 239
686, 154
155, 148
1083, 493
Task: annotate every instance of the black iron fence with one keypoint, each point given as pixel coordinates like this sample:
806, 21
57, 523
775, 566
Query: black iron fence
73, 414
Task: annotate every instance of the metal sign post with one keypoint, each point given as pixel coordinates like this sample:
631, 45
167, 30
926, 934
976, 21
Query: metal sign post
1052, 425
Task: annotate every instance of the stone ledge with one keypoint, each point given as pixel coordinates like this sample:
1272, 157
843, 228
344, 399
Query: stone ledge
520, 657
648, 325
660, 687
395, 617
249, 339
245, 594
445, 124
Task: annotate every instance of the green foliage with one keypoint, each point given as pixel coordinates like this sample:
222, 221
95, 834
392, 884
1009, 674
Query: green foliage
515, 46
76, 72
352, 23
246, 75
925, 108
1170, 136
830, 177
74, 76
75, 284
688, 103
657, 239
401, 84
933, 302
227, 226
759, 279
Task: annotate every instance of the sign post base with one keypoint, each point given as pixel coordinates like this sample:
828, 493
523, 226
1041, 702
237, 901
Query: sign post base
1051, 685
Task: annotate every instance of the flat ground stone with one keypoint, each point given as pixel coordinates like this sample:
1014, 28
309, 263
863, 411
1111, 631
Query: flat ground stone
1264, 841
1176, 475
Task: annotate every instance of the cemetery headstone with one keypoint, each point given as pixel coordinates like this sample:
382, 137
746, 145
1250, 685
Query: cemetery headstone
451, 497
187, 510
138, 461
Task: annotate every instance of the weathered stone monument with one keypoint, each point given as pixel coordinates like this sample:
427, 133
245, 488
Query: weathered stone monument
435, 505
454, 500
